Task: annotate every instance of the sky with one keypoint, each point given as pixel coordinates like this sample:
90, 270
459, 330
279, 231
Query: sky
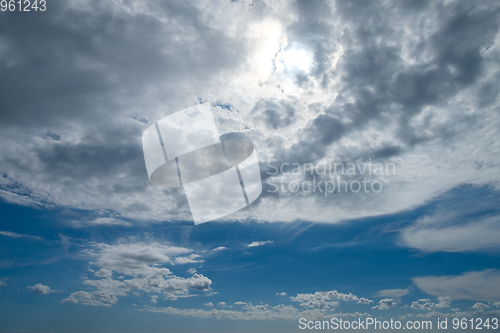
375, 124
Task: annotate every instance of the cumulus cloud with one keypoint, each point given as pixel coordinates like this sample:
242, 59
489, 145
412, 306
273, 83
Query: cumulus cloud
40, 288
364, 300
474, 285
426, 304
143, 267
258, 312
385, 304
323, 299
480, 306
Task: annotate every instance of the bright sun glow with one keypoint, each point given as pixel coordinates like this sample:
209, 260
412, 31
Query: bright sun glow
297, 59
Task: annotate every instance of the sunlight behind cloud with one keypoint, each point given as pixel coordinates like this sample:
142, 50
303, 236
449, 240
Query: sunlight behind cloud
297, 59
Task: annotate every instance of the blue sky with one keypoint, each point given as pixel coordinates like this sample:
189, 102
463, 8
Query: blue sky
88, 244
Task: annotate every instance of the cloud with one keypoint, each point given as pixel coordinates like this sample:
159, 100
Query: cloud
209, 304
259, 243
474, 285
221, 304
323, 299
364, 300
385, 304
144, 265
40, 289
16, 235
257, 312
101, 221
220, 248
426, 304
400, 94
394, 293
480, 306
281, 294
441, 232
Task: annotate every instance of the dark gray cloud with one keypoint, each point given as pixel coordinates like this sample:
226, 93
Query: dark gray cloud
413, 83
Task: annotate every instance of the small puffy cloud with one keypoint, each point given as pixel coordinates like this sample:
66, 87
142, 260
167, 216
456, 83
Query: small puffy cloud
323, 299
2, 282
259, 243
220, 248
480, 306
191, 270
281, 294
40, 288
497, 304
222, 304
426, 304
364, 300
385, 304
138, 267
209, 304
240, 303
154, 299
475, 285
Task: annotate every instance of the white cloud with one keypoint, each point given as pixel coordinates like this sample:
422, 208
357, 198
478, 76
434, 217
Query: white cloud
40, 289
393, 293
220, 248
17, 235
191, 270
209, 304
385, 304
365, 301
323, 299
426, 304
101, 221
259, 243
281, 294
221, 304
440, 232
475, 285
154, 299
258, 312
143, 264
480, 306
